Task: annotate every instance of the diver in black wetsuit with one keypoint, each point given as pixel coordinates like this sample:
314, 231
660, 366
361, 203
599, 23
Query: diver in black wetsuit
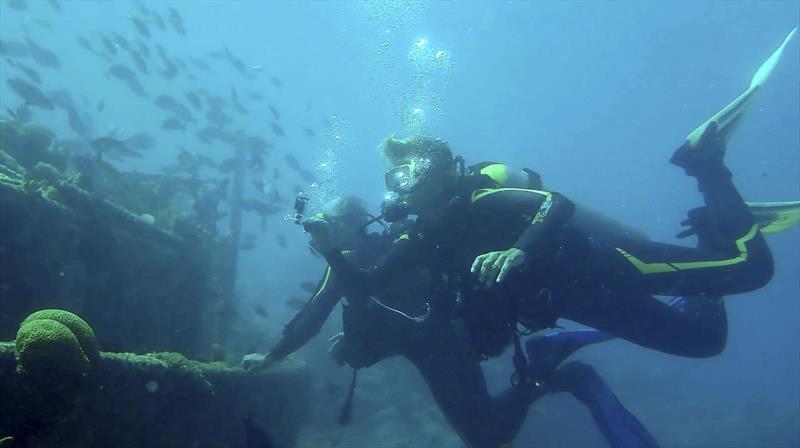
555, 263
399, 322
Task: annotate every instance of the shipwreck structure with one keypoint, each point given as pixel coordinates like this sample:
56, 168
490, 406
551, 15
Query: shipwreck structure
130, 252
138, 257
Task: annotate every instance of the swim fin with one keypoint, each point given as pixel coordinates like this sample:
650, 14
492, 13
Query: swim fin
728, 119
771, 217
774, 217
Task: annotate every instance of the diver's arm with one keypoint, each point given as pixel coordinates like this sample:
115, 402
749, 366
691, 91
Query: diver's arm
351, 276
552, 213
308, 321
548, 211
364, 282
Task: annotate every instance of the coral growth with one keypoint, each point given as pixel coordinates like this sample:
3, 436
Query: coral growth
55, 342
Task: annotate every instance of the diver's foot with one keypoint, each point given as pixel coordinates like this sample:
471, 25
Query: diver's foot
704, 156
547, 352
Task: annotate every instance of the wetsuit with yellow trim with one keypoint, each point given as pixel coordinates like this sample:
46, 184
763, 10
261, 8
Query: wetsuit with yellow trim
601, 276
735, 264
685, 326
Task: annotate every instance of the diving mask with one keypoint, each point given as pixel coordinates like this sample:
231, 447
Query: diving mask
404, 178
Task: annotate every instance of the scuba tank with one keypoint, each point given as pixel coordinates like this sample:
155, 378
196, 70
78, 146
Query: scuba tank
505, 176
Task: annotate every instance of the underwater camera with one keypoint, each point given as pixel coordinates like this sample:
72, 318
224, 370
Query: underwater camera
300, 203
394, 208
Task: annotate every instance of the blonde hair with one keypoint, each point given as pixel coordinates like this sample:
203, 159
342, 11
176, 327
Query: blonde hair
395, 151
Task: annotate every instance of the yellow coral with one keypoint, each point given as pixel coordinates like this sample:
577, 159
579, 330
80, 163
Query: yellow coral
55, 341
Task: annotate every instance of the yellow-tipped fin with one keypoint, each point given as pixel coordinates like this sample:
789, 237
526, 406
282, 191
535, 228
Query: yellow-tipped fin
774, 217
729, 117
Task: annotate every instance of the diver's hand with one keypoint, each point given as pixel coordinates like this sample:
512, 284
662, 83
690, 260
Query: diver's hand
257, 361
320, 231
494, 266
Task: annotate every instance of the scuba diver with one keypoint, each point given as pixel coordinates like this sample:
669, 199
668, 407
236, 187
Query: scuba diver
531, 256
567, 265
400, 322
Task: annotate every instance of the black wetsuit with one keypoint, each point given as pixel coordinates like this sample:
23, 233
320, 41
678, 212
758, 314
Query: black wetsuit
381, 326
378, 327
601, 277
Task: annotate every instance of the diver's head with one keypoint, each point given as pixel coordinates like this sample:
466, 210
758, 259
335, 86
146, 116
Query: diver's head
347, 214
423, 171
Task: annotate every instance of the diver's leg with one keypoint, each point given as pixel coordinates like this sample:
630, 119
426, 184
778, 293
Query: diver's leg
546, 352
694, 327
705, 162
454, 376
453, 373
720, 265
619, 426
665, 269
732, 255
615, 300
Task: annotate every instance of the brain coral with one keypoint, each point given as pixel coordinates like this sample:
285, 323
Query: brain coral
55, 341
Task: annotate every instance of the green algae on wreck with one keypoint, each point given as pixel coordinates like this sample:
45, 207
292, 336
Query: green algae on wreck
117, 405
